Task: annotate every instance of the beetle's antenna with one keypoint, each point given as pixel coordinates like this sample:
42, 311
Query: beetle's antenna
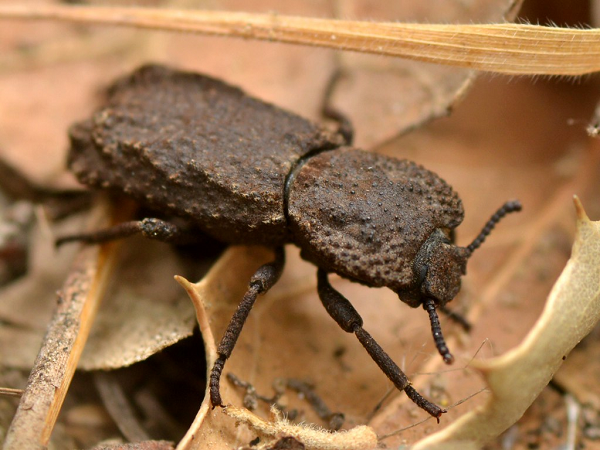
507, 208
436, 330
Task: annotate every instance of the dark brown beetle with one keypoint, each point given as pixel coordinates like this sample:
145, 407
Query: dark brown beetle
246, 172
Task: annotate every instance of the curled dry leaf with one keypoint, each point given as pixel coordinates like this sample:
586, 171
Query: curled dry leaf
582, 384
572, 310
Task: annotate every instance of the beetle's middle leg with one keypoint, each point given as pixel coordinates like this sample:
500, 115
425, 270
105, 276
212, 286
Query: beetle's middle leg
342, 311
262, 280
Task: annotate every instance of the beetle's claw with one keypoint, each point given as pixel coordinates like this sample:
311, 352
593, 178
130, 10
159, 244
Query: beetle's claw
448, 358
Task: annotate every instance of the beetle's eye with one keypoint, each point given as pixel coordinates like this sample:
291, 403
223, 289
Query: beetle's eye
421, 273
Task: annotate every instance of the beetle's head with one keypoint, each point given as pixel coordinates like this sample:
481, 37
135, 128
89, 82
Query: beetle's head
438, 268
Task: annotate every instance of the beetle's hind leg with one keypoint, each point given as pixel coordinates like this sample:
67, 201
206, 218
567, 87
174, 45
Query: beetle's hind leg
328, 111
342, 311
150, 228
262, 280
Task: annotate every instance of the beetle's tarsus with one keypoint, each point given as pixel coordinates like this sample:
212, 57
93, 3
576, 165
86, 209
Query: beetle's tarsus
215, 377
431, 408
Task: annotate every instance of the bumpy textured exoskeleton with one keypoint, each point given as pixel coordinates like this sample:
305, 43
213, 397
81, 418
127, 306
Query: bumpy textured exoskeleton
246, 172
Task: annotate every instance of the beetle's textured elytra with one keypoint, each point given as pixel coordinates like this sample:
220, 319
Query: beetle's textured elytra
246, 172
198, 148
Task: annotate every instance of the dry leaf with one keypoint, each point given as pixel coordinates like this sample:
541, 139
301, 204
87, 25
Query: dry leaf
578, 382
46, 273
573, 305
145, 310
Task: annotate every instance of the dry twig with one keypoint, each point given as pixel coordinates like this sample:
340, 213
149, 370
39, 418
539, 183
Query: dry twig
65, 339
501, 48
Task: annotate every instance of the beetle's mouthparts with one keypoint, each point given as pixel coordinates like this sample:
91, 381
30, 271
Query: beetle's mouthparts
436, 330
509, 207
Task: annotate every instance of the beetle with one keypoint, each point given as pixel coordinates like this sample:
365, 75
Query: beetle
246, 172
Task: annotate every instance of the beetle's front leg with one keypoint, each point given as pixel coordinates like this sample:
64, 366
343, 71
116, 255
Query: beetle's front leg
262, 280
342, 311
